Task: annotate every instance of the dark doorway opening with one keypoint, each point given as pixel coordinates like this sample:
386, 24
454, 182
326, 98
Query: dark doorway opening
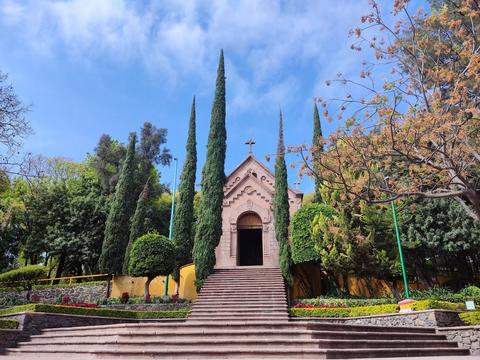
250, 247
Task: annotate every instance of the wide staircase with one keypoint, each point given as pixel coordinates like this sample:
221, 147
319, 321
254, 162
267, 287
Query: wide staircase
240, 313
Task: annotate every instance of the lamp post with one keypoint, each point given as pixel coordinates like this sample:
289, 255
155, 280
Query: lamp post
399, 242
400, 251
170, 231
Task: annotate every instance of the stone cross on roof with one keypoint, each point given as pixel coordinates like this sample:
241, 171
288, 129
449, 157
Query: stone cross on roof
250, 143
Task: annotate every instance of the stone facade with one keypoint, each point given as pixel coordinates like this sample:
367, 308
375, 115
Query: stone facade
249, 192
467, 337
91, 293
427, 318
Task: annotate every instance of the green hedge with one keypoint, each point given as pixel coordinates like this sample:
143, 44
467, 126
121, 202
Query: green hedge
23, 277
8, 324
325, 301
60, 309
302, 242
344, 312
37, 287
374, 309
471, 317
437, 304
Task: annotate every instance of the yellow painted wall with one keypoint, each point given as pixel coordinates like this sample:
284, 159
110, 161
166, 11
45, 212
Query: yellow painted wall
187, 288
135, 285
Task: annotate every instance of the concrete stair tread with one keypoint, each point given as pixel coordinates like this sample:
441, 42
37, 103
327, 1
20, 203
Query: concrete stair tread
235, 349
242, 341
256, 324
242, 332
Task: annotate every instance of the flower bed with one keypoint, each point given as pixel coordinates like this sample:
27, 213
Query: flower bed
308, 310
75, 310
343, 311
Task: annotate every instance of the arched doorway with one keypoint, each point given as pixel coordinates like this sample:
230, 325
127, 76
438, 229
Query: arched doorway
250, 244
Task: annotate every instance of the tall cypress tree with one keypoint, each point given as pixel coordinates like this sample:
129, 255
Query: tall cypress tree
209, 227
281, 208
317, 147
138, 223
183, 220
117, 227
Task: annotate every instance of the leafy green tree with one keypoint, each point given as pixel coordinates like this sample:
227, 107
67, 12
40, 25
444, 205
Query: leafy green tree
138, 224
107, 162
86, 225
441, 239
317, 145
336, 245
281, 208
12, 229
378, 256
209, 227
183, 220
118, 221
151, 151
151, 255
303, 244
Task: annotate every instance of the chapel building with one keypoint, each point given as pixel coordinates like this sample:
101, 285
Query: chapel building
248, 233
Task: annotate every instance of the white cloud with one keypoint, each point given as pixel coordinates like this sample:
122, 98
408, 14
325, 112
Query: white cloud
177, 39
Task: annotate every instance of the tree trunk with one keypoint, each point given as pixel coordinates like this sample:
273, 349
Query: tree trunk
60, 266
147, 288
393, 284
346, 288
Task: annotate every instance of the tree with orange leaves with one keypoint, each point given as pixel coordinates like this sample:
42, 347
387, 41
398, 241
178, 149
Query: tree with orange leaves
417, 132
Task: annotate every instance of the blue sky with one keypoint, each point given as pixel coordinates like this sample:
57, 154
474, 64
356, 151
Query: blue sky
90, 67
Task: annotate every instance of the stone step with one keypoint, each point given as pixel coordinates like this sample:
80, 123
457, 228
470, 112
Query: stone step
201, 333
196, 332
242, 308
272, 301
242, 352
238, 316
259, 296
206, 343
241, 284
239, 307
275, 281
252, 278
242, 325
254, 293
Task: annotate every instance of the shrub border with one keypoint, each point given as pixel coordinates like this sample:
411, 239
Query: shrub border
471, 317
8, 324
374, 309
102, 312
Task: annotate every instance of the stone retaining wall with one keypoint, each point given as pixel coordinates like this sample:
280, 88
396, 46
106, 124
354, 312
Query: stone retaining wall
9, 337
427, 318
467, 337
32, 323
89, 293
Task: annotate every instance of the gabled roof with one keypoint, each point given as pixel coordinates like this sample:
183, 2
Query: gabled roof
244, 180
251, 158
